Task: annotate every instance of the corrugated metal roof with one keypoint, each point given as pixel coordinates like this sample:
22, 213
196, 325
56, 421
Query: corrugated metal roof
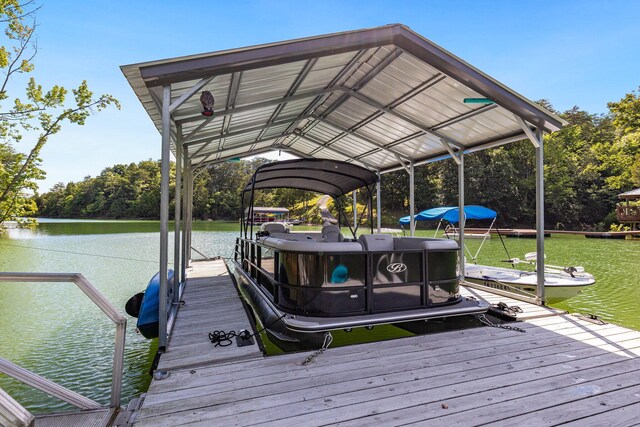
633, 194
375, 97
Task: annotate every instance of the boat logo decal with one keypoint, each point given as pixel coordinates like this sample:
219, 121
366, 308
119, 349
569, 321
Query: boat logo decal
396, 267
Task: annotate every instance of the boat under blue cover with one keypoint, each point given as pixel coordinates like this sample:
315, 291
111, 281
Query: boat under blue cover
148, 316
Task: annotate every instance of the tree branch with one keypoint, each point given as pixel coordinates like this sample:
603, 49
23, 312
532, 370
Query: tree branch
23, 46
41, 140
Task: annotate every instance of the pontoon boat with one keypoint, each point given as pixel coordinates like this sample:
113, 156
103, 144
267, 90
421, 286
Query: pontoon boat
300, 285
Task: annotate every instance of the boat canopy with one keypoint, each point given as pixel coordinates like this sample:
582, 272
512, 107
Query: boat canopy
451, 214
332, 177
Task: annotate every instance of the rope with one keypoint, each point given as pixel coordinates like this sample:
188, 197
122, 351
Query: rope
80, 253
513, 311
215, 258
224, 339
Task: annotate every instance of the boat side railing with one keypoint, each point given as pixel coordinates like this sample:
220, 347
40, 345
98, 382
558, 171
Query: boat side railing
48, 386
368, 289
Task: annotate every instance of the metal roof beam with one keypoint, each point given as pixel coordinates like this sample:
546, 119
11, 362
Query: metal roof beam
464, 116
234, 147
454, 156
231, 103
203, 164
292, 89
346, 132
189, 93
405, 97
333, 83
417, 90
444, 61
472, 149
376, 104
261, 104
358, 85
240, 132
262, 56
527, 130
322, 146
392, 144
355, 87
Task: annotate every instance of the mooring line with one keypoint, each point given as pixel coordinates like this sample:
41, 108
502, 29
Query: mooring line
80, 253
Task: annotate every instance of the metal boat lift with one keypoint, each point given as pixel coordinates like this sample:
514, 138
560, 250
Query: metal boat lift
385, 98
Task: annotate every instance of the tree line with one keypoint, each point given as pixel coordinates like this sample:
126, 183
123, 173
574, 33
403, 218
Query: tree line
587, 164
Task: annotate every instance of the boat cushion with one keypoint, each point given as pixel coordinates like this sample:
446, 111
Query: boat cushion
274, 227
377, 242
439, 245
428, 243
331, 233
310, 245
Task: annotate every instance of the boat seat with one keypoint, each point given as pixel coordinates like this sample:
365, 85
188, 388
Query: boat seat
331, 233
292, 237
309, 245
274, 227
424, 243
376, 242
439, 245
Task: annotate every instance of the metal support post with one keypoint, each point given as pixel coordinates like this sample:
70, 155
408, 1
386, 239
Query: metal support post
177, 220
355, 210
164, 217
412, 210
189, 217
378, 205
183, 250
461, 215
540, 214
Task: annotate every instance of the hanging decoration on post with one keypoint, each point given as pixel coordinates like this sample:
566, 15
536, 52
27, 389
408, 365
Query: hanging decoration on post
207, 101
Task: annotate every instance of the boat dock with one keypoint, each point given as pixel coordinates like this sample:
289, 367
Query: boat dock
561, 369
518, 232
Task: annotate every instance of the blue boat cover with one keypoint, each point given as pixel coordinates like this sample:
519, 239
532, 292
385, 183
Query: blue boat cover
149, 309
450, 213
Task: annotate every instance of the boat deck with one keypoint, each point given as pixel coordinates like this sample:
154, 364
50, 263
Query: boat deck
560, 370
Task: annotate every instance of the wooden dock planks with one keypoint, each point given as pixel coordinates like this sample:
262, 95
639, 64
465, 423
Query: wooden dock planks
563, 369
210, 303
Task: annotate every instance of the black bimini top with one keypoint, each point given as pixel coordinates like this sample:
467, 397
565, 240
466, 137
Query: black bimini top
332, 177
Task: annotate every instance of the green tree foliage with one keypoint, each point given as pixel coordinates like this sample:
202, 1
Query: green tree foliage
29, 120
120, 191
587, 164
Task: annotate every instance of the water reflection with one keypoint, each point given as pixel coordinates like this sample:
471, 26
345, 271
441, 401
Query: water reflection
57, 332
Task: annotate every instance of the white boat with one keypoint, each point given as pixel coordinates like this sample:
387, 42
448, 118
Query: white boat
560, 283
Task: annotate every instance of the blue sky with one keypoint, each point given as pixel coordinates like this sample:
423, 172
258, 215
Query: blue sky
583, 53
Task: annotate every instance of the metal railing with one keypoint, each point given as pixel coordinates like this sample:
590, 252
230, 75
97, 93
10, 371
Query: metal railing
50, 387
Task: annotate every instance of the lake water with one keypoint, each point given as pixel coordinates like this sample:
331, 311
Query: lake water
54, 330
